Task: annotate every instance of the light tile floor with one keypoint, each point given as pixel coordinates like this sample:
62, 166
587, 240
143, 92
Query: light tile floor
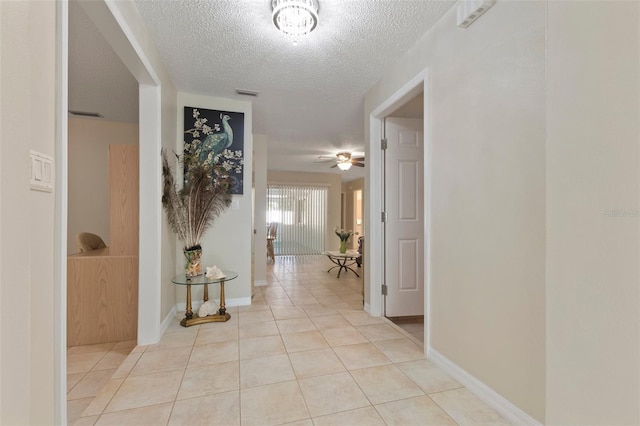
89, 369
304, 353
413, 326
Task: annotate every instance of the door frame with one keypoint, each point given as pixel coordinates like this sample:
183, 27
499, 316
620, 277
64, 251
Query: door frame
375, 229
109, 19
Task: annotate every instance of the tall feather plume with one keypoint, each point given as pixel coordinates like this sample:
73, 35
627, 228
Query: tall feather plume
192, 209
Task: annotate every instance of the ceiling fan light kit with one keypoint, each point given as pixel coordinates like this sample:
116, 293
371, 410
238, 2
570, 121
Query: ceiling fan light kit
295, 18
343, 160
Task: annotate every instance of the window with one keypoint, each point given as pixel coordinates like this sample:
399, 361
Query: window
301, 213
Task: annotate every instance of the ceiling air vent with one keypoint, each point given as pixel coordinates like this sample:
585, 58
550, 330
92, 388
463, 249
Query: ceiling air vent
247, 92
86, 114
470, 10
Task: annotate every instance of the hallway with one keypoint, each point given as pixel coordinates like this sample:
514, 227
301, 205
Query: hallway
303, 353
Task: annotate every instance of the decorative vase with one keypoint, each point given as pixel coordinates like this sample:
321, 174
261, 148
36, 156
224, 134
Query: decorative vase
343, 246
193, 268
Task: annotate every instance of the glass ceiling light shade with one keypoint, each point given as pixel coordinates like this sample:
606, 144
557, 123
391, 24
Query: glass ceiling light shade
346, 165
295, 18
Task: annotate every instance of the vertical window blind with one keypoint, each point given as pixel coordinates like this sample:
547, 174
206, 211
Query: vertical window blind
301, 214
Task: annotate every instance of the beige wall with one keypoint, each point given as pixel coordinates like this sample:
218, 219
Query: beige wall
335, 188
88, 146
27, 121
486, 138
593, 204
534, 203
227, 244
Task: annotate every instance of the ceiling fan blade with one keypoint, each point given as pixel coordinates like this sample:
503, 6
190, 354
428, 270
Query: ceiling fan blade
357, 159
325, 161
357, 164
335, 165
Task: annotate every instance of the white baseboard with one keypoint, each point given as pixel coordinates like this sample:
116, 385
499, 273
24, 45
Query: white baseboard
367, 308
239, 301
195, 304
496, 401
260, 283
167, 320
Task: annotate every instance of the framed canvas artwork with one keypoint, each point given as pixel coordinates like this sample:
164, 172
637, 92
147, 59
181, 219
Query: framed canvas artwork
217, 137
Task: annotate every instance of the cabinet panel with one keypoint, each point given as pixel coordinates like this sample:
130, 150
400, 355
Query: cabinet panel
123, 199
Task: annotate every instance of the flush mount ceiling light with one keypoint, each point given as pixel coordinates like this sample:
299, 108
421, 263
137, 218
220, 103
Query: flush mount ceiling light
295, 18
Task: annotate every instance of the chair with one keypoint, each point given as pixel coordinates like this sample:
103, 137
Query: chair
85, 241
361, 251
272, 233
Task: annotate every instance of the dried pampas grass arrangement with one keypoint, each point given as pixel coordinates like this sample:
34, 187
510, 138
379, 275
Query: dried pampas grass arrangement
192, 209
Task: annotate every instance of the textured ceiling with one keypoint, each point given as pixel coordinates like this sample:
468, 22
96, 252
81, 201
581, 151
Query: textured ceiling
311, 95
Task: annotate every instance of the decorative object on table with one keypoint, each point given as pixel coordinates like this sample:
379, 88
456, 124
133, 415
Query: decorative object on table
192, 209
194, 265
86, 241
208, 308
216, 138
214, 272
344, 237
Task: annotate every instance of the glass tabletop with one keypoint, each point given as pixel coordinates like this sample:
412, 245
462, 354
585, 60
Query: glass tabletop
348, 254
182, 279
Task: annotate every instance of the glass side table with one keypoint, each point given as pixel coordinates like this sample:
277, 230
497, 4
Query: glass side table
222, 315
344, 261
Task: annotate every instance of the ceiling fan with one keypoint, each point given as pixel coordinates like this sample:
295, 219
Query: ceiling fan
343, 160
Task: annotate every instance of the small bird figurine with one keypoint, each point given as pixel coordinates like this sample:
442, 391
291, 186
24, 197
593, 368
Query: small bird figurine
217, 142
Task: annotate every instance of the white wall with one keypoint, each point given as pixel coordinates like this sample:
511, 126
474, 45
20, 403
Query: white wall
260, 209
27, 121
485, 136
88, 144
593, 213
333, 199
227, 243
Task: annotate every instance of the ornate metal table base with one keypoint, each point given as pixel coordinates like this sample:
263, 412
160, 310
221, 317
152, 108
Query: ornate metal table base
341, 261
193, 319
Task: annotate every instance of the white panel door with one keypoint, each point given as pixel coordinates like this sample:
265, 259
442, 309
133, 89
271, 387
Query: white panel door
404, 229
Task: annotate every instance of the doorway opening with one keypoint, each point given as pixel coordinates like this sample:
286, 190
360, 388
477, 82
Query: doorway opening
403, 195
400, 191
358, 215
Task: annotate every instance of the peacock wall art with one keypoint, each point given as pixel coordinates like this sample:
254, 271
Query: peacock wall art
217, 137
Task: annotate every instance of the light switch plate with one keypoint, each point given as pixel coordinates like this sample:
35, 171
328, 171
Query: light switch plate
41, 172
235, 204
